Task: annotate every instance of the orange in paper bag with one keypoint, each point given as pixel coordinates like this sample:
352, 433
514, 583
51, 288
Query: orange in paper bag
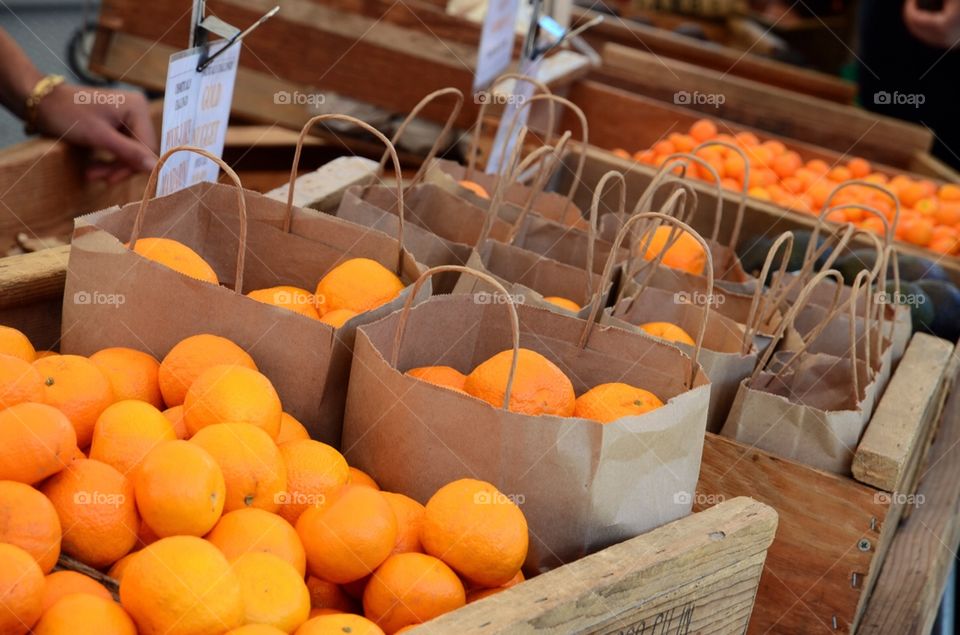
477, 530
668, 331
445, 376
358, 284
563, 303
176, 256
474, 187
686, 253
290, 298
539, 387
609, 402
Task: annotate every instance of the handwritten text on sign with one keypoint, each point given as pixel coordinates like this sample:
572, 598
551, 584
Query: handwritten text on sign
196, 110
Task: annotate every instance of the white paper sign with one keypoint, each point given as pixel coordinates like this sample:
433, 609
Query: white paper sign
522, 91
196, 110
496, 42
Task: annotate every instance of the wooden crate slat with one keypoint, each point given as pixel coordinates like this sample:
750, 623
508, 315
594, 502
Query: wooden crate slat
906, 410
693, 573
911, 582
827, 124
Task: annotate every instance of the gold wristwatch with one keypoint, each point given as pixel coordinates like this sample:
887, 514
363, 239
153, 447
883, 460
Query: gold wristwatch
43, 88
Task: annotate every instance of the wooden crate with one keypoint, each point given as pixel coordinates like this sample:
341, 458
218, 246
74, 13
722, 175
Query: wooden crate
697, 574
714, 55
389, 54
838, 127
835, 531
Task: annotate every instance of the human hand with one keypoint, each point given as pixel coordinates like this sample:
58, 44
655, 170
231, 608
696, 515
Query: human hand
110, 122
936, 28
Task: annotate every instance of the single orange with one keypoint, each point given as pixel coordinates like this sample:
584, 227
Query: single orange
21, 590
314, 469
411, 588
920, 232
703, 130
445, 376
477, 530
175, 416
327, 595
182, 585
126, 431
16, 344
29, 521
668, 331
563, 303
234, 394
474, 187
255, 530
95, 504
948, 213
36, 441
682, 142
349, 534
190, 357
251, 463
359, 477
539, 386
859, 168
180, 489
60, 584
290, 298
685, 253
177, 256
409, 515
664, 148
747, 139
85, 614
612, 401
132, 374
949, 192
291, 429
274, 592
338, 317
358, 284
339, 624
78, 388
787, 164
19, 382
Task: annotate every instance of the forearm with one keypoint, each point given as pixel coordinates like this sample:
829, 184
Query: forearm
18, 75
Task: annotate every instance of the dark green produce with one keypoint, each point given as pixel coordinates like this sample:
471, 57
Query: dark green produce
921, 306
945, 298
912, 268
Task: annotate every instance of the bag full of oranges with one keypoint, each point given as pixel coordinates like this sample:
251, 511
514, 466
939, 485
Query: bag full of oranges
149, 274
727, 350
595, 432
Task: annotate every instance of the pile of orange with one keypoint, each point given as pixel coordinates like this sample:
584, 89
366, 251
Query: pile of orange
218, 514
930, 213
540, 387
352, 287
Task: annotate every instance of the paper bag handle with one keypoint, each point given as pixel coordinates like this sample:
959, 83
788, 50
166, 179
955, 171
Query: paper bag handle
151, 189
594, 219
474, 149
663, 177
539, 183
692, 158
447, 127
514, 320
510, 169
742, 206
842, 236
288, 219
584, 134
757, 316
608, 272
803, 299
874, 186
643, 242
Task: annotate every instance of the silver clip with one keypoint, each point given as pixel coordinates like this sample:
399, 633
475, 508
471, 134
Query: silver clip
213, 24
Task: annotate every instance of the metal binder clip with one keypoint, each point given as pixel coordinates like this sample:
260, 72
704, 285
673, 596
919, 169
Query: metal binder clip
213, 24
556, 34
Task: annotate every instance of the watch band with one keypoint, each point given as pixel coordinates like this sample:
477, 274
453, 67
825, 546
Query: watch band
43, 88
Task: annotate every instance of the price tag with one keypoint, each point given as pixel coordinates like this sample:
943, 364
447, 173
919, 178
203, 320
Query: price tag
196, 110
496, 42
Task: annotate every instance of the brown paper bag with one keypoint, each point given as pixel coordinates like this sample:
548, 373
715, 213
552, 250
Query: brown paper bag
240, 234
611, 481
728, 353
805, 406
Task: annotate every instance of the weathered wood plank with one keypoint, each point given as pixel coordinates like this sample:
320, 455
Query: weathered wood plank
696, 574
824, 123
911, 582
903, 416
323, 188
